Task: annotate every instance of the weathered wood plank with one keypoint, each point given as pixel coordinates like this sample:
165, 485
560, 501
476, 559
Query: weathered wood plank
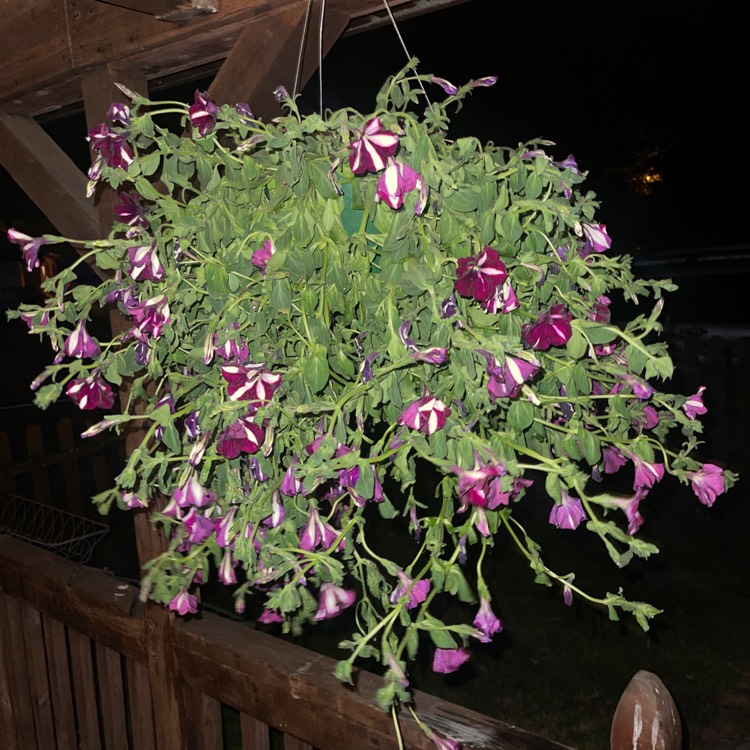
84, 690
141, 712
8, 737
295, 691
48, 176
91, 601
174, 11
36, 665
203, 715
292, 743
7, 482
255, 735
111, 697
61, 689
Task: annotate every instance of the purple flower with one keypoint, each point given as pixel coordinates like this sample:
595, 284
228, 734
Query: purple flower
250, 383
486, 622
596, 237
225, 531
445, 743
192, 493
397, 180
202, 113
479, 277
484, 81
119, 112
613, 459
568, 514
646, 474
281, 94
370, 152
231, 349
629, 505
184, 603
30, 247
504, 299
427, 414
708, 483
447, 86
198, 527
649, 419
290, 485
91, 392
435, 355
447, 660
149, 317
551, 329
226, 569
417, 591
132, 501
129, 210
269, 616
80, 344
481, 486
145, 264
694, 406
506, 381
260, 257
242, 436
243, 108
333, 600
316, 532
113, 147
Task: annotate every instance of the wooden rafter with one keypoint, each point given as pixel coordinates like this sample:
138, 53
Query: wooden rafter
174, 11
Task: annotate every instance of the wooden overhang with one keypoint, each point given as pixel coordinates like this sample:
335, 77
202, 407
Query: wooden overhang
57, 56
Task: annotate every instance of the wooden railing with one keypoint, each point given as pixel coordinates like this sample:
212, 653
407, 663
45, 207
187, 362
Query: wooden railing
73, 656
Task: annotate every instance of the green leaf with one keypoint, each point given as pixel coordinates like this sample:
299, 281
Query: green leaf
520, 415
315, 370
281, 295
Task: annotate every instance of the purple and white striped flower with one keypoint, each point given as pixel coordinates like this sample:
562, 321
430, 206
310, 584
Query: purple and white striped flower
145, 264
426, 414
480, 276
30, 247
91, 392
370, 152
486, 621
242, 436
568, 513
202, 113
184, 603
191, 493
251, 382
416, 590
80, 343
333, 601
552, 328
694, 405
397, 180
708, 483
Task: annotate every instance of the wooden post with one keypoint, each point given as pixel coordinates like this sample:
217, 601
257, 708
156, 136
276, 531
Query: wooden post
99, 92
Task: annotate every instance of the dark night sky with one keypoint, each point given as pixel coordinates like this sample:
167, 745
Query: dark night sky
611, 83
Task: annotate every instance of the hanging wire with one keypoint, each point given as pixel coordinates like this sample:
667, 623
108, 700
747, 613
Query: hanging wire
301, 54
403, 46
320, 54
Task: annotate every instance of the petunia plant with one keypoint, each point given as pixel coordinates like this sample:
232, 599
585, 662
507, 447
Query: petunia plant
343, 322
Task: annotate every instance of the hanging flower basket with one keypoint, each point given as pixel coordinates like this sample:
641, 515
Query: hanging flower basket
321, 313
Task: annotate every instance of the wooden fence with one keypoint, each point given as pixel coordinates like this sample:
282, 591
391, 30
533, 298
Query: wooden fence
73, 673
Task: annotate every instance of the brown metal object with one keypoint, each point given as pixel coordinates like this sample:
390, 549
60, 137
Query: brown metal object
646, 718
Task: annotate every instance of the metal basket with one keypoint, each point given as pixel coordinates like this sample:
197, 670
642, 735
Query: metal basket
66, 534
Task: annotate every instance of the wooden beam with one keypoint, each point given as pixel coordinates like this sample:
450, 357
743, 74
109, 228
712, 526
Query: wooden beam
266, 55
48, 176
174, 11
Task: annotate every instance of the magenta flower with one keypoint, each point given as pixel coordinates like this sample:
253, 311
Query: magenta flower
113, 147
198, 527
551, 329
445, 743
80, 344
317, 532
479, 277
506, 381
119, 112
694, 406
225, 529
481, 486
397, 180
597, 238
91, 392
613, 459
504, 299
269, 617
646, 474
129, 210
447, 86
250, 383
708, 483
370, 152
486, 622
149, 317
290, 485
132, 501
242, 436
426, 414
191, 493
145, 264
30, 247
184, 603
629, 505
333, 601
567, 514
260, 257
435, 355
447, 660
202, 113
417, 591
226, 569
